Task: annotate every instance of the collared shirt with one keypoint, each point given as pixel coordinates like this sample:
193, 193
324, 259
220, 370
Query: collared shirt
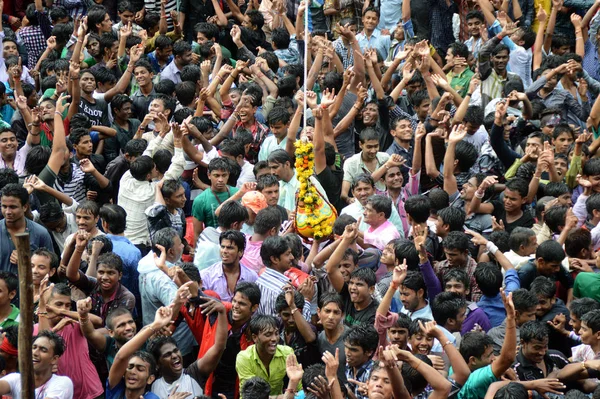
356, 210
529, 371
287, 192
141, 102
155, 65
136, 196
38, 238
363, 373
382, 235
377, 41
35, 41
19, 161
442, 267
271, 284
355, 166
248, 365
214, 279
460, 81
171, 72
493, 306
269, 145
474, 45
289, 55
12, 319
442, 34
345, 52
122, 297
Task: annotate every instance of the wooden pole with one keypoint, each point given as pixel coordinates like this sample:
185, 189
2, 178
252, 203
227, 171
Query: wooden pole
26, 316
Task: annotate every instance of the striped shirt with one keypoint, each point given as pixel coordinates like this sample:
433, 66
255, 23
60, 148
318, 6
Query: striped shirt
72, 183
153, 7
271, 284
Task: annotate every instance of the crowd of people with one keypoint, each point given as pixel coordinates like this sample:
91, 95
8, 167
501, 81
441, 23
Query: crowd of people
149, 149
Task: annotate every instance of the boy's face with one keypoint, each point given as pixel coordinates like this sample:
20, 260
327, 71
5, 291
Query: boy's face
12, 209
85, 146
370, 20
423, 109
456, 324
457, 287
544, 305
330, 316
124, 328
266, 340
398, 336
500, 61
43, 354
512, 200
370, 114
5, 295
535, 350
201, 38
440, 228
420, 343
399, 31
40, 268
108, 277
547, 268
356, 355
562, 143
474, 26
170, 361
561, 167
456, 257
106, 25
157, 106
288, 320
387, 256
9, 48
379, 385
164, 53
218, 179
595, 180
230, 254
87, 83
347, 267
369, 149
359, 291
525, 316
85, 220
575, 323
403, 130
241, 307
177, 199
469, 189
409, 298
486, 359
93, 47
394, 178
142, 75
138, 374
126, 17
58, 301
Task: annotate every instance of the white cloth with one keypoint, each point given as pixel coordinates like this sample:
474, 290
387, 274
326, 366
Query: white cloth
186, 384
57, 387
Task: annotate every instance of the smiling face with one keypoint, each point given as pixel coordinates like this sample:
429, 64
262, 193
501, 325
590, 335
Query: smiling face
40, 268
8, 144
347, 267
330, 316
394, 178
535, 350
362, 191
43, 355
85, 220
370, 114
474, 26
142, 75
370, 20
468, 190
420, 343
108, 278
369, 150
138, 374
266, 340
5, 295
124, 328
241, 308
124, 112
170, 361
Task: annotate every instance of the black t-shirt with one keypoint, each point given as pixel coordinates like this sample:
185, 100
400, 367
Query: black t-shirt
526, 220
331, 180
353, 317
97, 111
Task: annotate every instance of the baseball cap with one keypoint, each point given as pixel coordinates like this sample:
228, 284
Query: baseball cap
254, 200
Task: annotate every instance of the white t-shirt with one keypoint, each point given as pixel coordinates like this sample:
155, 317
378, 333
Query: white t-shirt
57, 387
187, 383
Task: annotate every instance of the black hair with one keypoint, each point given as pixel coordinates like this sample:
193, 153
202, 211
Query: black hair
363, 178
249, 290
341, 222
365, 274
155, 345
10, 279
580, 306
181, 47
295, 243
333, 80
62, 32
577, 240
592, 320
405, 249
591, 167
417, 207
280, 38
260, 322
60, 289
256, 18
234, 236
555, 218
519, 185
267, 219
115, 217
145, 63
456, 240
273, 246
500, 48
281, 303
543, 286
474, 115
233, 147
8, 176
447, 305
265, 181
524, 300
112, 314
559, 41
512, 390
17, 191
54, 261
439, 200
489, 278
330, 297
256, 388
168, 101
474, 344
165, 237
381, 204
419, 96
107, 244
95, 15
475, 14
364, 336
185, 92
466, 154
57, 341
119, 100
460, 50
454, 217
141, 167
58, 12
111, 260
520, 236
125, 5
219, 164
182, 114
165, 87
51, 212
162, 160
550, 251
278, 114
457, 274
280, 157
414, 281
231, 213
533, 329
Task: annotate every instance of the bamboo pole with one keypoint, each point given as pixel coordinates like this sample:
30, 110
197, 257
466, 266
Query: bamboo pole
26, 316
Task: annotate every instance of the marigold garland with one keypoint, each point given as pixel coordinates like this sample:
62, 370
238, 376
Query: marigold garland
308, 197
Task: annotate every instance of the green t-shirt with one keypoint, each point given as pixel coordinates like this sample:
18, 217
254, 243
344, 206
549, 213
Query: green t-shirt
12, 319
478, 383
206, 204
587, 285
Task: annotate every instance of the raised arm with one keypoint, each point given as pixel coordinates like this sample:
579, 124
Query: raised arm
459, 132
509, 347
542, 17
81, 239
94, 337
459, 366
210, 360
333, 271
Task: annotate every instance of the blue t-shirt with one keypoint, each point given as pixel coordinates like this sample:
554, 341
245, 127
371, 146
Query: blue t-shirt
118, 392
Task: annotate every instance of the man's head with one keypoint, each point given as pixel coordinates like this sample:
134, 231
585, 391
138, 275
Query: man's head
264, 331
255, 388
378, 210
370, 19
279, 122
168, 356
363, 188
182, 51
420, 342
15, 202
401, 129
456, 280
475, 21
362, 286
113, 218
60, 298
47, 348
331, 311
559, 190
417, 208
456, 248
245, 301
9, 286
360, 344
282, 165
413, 291
369, 144
218, 174
450, 219
268, 185
477, 349
525, 306
578, 308
399, 331
268, 221
449, 310
233, 244
534, 340
500, 55
590, 328
169, 238
283, 309
523, 241
591, 172
232, 216
489, 278
233, 149
141, 370
99, 20
544, 289
276, 253
121, 325
110, 271
43, 263
549, 255
87, 215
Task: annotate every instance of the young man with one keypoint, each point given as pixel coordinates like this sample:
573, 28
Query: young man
548, 258
75, 363
534, 360
133, 370
9, 286
87, 214
204, 206
268, 185
264, 355
47, 349
378, 210
141, 98
510, 211
267, 224
182, 52
522, 243
279, 123
449, 311
360, 343
457, 281
525, 305
456, 248
296, 331
124, 123
548, 308
475, 24
359, 306
43, 263
15, 203
486, 369
276, 255
449, 219
371, 37
223, 276
331, 339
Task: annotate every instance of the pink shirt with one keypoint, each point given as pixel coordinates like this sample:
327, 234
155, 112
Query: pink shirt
380, 236
75, 363
251, 258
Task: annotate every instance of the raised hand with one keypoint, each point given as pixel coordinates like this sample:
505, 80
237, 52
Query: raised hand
458, 133
399, 274
419, 239
97, 247
430, 328
501, 108
163, 315
332, 363
497, 225
328, 98
84, 306
311, 99
487, 182
293, 370
509, 306
86, 166
126, 30
477, 239
542, 15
